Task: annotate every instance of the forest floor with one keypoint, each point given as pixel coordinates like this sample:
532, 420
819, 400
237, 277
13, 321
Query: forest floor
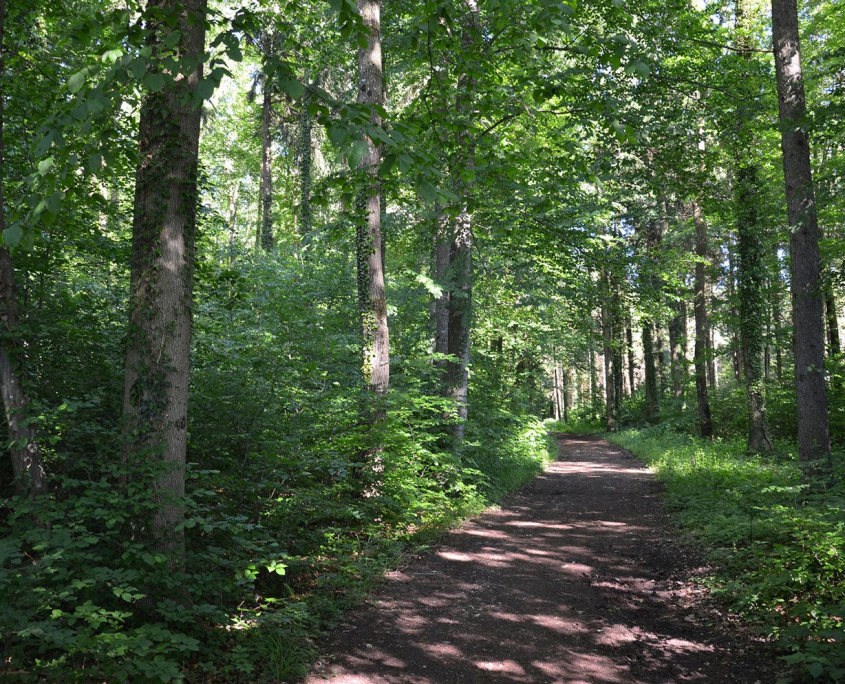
579, 577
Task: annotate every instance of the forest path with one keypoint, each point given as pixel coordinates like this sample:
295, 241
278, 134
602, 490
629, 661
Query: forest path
575, 579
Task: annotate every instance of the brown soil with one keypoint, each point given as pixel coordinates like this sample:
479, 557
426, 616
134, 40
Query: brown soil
576, 578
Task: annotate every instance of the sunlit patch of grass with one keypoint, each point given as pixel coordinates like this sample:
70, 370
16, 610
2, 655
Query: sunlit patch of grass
779, 545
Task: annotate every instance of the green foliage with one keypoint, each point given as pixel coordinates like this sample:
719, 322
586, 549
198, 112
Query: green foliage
778, 543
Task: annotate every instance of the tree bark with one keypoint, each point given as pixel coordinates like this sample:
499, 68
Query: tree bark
607, 337
678, 360
807, 314
442, 241
650, 347
266, 190
834, 345
751, 306
372, 299
27, 463
629, 338
460, 252
306, 158
751, 268
705, 422
155, 401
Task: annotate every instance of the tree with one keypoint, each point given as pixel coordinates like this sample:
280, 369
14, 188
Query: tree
807, 315
266, 239
705, 422
751, 270
155, 401
372, 301
27, 463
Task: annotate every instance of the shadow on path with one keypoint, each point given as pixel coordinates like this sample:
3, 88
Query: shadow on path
574, 580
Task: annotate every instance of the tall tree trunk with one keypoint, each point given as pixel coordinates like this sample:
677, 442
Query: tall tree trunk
372, 300
751, 270
650, 343
594, 382
27, 464
155, 400
442, 241
460, 252
632, 368
807, 316
705, 422
737, 362
678, 360
834, 345
607, 336
564, 375
266, 237
776, 317
751, 307
651, 401
306, 162
460, 318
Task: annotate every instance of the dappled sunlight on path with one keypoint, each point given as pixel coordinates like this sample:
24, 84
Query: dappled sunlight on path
573, 580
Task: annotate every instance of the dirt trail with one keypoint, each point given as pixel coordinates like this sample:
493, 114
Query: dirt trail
574, 580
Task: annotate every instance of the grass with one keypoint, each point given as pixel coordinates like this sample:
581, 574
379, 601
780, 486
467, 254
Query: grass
779, 550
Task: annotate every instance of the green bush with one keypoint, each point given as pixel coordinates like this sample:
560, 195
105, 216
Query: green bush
780, 549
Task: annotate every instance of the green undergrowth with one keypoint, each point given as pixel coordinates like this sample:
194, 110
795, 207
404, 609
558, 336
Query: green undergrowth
583, 426
275, 553
778, 545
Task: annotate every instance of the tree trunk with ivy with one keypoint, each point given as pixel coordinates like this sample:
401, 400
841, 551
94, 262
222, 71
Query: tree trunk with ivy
751, 270
807, 306
155, 401
460, 250
751, 307
27, 463
372, 299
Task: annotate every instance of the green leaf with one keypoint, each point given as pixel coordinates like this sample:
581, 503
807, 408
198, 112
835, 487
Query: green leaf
138, 67
154, 82
96, 105
387, 164
336, 5
75, 82
427, 191
44, 145
358, 152
95, 162
205, 88
234, 53
643, 70
12, 236
54, 202
293, 88
112, 55
172, 39
44, 166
